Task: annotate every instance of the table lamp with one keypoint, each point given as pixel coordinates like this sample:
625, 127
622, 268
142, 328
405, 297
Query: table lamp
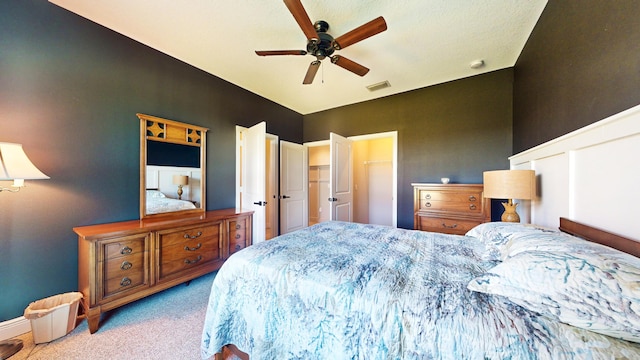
509, 184
180, 180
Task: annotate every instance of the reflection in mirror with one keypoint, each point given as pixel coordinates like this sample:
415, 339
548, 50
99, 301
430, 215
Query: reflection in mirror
172, 167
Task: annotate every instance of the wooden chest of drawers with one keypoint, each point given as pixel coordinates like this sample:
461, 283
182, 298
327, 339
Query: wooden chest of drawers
449, 208
122, 262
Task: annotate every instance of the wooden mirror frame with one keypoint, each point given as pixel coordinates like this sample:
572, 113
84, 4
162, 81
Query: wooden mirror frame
169, 131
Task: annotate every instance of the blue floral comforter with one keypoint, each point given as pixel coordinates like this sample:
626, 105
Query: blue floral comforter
351, 291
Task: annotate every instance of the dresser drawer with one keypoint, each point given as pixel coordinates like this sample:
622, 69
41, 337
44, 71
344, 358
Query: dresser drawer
174, 259
118, 280
446, 225
181, 235
124, 266
450, 196
468, 202
237, 235
124, 247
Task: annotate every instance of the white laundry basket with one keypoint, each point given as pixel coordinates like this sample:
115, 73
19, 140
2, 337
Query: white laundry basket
53, 317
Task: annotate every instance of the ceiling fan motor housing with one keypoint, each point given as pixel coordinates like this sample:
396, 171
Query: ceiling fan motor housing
323, 47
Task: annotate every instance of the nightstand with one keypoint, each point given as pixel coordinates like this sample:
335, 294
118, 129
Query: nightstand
449, 208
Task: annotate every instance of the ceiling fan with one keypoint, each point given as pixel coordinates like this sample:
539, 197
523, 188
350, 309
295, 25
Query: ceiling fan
322, 45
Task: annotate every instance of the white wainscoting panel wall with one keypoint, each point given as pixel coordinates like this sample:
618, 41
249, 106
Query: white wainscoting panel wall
591, 175
161, 178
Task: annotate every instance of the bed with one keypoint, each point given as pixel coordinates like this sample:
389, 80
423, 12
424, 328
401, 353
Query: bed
158, 202
351, 291
504, 291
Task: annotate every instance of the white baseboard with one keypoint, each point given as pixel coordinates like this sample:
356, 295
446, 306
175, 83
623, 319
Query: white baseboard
14, 327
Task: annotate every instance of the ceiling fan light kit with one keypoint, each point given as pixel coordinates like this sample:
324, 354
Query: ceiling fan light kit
321, 45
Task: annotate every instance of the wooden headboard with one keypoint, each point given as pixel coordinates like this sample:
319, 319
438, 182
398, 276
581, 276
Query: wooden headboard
591, 175
600, 236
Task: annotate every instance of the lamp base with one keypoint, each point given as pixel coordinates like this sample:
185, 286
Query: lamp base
510, 214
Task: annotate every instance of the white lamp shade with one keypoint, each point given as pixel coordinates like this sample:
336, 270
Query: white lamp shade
509, 184
14, 164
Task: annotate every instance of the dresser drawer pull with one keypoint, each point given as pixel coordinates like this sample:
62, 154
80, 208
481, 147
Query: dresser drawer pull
427, 197
193, 248
187, 261
187, 236
126, 250
449, 226
472, 198
427, 204
125, 282
126, 265
472, 206
238, 247
238, 236
238, 226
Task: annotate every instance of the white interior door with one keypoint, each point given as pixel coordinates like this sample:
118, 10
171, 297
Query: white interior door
272, 185
341, 178
253, 181
294, 187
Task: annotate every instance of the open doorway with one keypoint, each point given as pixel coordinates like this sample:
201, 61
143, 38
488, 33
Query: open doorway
374, 179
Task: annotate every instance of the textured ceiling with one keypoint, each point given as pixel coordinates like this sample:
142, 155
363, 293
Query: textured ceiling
427, 42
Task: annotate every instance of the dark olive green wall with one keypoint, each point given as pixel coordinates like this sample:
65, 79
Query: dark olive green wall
69, 92
456, 130
581, 64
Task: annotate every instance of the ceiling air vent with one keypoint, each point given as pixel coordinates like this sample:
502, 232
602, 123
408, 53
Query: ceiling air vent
378, 86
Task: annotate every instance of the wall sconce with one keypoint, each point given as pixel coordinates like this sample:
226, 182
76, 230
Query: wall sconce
180, 180
16, 166
509, 184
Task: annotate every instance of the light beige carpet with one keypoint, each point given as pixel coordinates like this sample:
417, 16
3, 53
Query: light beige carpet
166, 325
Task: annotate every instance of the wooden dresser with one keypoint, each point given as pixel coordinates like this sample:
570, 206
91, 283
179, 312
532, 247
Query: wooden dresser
449, 208
125, 261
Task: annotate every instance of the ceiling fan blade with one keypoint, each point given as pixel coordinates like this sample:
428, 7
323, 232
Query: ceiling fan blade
280, 52
360, 33
300, 14
311, 72
350, 65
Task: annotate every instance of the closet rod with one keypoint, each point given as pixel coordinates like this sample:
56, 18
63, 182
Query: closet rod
368, 162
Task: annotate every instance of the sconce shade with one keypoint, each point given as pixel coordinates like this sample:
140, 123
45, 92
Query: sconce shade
180, 180
509, 184
14, 164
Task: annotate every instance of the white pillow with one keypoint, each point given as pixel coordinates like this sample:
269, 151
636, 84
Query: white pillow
155, 194
496, 236
591, 289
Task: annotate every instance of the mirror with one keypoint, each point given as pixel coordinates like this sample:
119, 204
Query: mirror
172, 167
